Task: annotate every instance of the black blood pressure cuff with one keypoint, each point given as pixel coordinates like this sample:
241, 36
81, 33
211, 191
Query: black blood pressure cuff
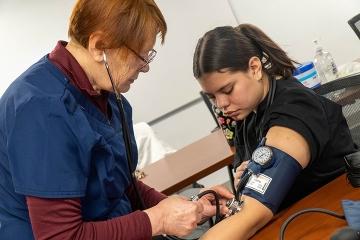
272, 184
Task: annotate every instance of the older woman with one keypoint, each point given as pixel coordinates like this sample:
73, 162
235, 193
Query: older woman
67, 149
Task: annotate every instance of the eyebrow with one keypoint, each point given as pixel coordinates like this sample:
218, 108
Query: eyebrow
221, 89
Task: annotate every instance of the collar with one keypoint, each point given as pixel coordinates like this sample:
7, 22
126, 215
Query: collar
66, 62
63, 59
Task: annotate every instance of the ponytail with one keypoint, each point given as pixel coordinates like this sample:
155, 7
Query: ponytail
231, 48
274, 58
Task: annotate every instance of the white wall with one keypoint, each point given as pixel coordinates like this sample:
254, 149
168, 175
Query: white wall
170, 82
295, 24
29, 30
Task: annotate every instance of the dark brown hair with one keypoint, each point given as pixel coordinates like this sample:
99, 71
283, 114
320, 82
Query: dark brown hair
231, 48
122, 22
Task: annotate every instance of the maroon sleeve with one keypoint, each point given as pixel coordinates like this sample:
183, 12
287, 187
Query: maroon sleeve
150, 196
62, 219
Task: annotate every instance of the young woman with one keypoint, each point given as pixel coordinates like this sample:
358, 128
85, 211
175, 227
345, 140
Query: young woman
298, 136
67, 148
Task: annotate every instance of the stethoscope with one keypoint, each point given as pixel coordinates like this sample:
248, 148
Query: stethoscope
125, 134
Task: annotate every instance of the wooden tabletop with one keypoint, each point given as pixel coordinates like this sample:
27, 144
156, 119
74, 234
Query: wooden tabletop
313, 226
187, 165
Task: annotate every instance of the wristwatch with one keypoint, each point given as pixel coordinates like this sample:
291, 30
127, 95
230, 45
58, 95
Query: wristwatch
262, 155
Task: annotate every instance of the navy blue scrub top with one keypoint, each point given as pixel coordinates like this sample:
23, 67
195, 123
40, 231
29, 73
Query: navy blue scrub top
55, 143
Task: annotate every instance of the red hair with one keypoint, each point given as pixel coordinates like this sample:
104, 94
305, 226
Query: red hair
122, 22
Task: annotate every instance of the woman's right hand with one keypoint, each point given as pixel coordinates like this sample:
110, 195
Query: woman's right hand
239, 172
175, 215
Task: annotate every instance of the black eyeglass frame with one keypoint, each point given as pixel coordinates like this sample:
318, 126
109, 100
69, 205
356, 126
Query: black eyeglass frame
151, 55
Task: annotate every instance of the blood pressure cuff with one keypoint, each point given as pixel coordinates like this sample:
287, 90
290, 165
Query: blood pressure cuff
272, 184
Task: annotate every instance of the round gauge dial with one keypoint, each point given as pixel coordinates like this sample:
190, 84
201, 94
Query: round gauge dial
262, 155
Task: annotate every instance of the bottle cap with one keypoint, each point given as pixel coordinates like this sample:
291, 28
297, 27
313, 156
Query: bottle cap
317, 45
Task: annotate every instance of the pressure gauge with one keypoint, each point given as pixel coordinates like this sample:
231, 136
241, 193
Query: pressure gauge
262, 155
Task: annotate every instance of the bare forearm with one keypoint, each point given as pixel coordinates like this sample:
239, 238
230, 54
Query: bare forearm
242, 225
231, 228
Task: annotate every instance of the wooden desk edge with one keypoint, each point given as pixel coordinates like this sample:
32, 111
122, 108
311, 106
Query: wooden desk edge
194, 176
203, 173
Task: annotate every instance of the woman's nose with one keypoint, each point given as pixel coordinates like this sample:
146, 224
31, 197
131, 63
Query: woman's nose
222, 102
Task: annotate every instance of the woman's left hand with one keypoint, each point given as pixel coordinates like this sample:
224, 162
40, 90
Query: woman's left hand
208, 201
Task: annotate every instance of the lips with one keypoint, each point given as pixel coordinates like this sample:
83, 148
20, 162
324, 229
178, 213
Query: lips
232, 113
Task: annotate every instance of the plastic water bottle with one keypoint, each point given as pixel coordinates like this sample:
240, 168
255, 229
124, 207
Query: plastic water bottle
324, 64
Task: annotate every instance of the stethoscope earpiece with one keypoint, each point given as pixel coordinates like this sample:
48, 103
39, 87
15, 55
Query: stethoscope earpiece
104, 57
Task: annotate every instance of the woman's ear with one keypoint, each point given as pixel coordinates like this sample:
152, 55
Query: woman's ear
255, 67
97, 54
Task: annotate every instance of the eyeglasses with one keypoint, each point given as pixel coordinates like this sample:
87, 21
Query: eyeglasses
150, 56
